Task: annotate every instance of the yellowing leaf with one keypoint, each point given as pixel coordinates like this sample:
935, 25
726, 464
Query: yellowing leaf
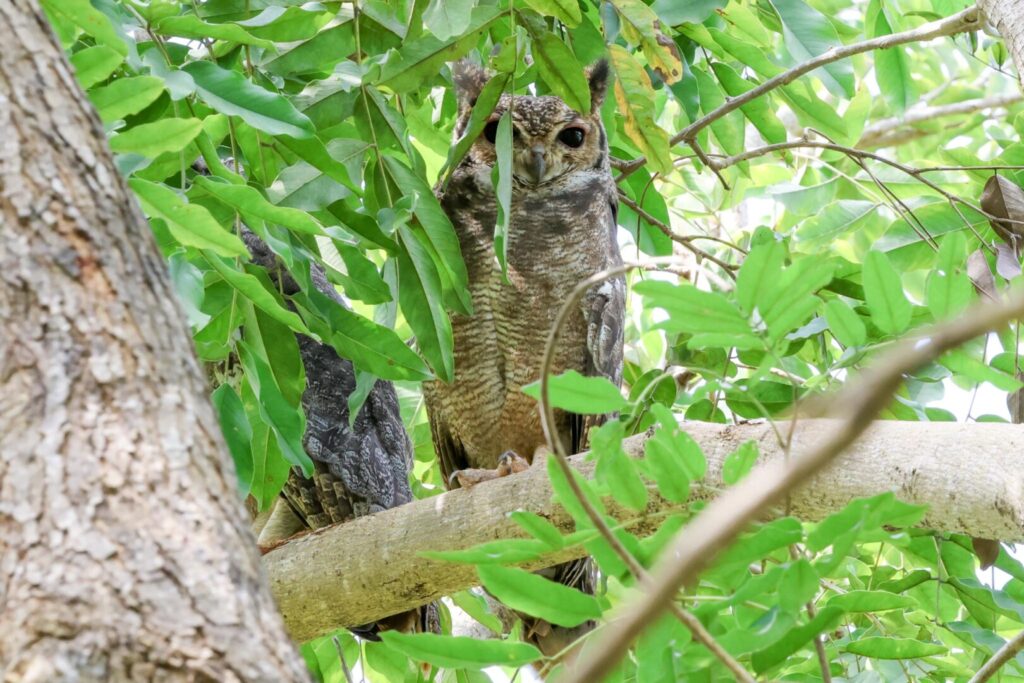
640, 26
635, 97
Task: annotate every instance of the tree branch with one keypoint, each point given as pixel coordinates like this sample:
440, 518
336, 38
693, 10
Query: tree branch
371, 567
961, 22
894, 130
1001, 657
697, 544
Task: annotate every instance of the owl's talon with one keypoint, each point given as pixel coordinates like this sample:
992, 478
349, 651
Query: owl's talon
509, 462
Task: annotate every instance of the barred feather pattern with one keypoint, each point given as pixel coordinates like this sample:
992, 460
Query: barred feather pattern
561, 231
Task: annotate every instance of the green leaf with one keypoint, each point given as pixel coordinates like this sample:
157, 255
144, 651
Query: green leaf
153, 139
125, 96
700, 313
892, 68
254, 290
286, 24
757, 111
566, 11
580, 394
478, 117
363, 280
808, 33
506, 551
440, 235
231, 93
285, 419
821, 230
82, 14
759, 276
949, 290
476, 606
237, 433
539, 597
372, 347
95, 64
889, 647
739, 463
422, 59
420, 296
826, 620
560, 70
254, 207
883, 293
962, 363
501, 179
615, 469
871, 601
270, 469
798, 586
461, 652
190, 224
672, 458
191, 26
635, 97
538, 527
846, 326
729, 128
448, 18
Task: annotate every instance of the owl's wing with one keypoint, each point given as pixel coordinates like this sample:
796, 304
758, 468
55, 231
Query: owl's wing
604, 309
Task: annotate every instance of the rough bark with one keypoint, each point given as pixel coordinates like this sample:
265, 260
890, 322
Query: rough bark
1007, 17
968, 475
124, 549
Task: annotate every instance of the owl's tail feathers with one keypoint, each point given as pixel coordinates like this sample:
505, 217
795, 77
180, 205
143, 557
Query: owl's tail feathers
556, 641
417, 620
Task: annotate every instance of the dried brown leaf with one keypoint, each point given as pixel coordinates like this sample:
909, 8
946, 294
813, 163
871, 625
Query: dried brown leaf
1005, 199
981, 275
987, 551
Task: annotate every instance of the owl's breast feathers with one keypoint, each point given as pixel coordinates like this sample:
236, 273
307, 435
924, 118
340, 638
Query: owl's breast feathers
560, 233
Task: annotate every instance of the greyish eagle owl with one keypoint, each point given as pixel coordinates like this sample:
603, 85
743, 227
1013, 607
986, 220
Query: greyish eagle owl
562, 229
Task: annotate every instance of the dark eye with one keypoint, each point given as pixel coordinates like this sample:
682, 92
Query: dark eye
491, 131
573, 137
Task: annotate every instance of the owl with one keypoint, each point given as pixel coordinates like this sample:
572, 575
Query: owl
358, 468
562, 229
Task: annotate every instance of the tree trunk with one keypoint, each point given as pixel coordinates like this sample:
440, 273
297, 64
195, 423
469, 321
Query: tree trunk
968, 475
1007, 16
124, 549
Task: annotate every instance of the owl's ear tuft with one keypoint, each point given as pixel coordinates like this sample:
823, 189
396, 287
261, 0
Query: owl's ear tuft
598, 75
469, 79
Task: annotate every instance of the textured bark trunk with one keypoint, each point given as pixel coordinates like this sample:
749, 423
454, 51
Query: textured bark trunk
338, 577
1007, 16
124, 550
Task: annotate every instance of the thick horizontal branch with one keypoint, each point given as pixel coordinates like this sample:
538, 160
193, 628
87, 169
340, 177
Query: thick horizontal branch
968, 475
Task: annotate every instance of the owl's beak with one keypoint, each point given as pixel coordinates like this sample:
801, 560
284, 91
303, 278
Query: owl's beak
537, 165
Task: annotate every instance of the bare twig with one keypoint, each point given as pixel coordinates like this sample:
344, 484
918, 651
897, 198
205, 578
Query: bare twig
916, 173
723, 519
547, 416
684, 240
1001, 657
961, 22
877, 133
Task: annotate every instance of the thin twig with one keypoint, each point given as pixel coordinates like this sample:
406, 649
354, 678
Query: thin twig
961, 22
1001, 657
341, 658
554, 442
684, 240
726, 517
916, 173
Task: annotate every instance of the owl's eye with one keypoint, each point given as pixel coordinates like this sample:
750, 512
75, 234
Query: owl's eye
491, 131
573, 137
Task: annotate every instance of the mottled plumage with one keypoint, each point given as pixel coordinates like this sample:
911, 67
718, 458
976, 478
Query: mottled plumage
562, 230
358, 469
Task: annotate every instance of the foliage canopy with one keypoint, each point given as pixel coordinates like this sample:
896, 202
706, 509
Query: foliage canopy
814, 224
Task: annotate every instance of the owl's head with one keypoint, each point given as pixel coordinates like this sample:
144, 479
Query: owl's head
549, 138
